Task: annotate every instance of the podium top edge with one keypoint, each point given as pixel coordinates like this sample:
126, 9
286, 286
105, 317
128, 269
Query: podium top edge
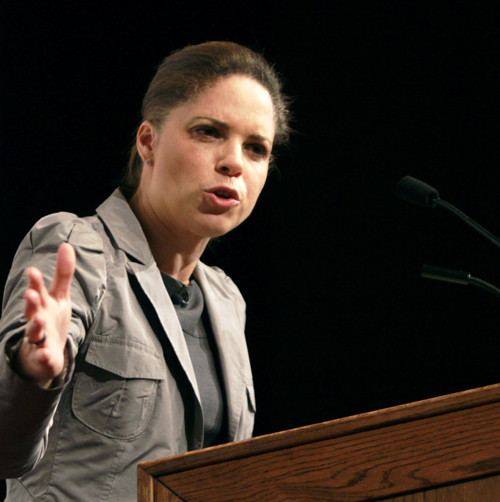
418, 410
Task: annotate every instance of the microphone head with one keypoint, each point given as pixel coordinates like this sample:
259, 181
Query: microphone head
181, 297
417, 192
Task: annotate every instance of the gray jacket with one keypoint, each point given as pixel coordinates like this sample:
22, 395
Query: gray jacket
121, 402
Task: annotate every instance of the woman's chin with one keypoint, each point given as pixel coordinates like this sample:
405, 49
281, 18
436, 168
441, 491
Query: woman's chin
213, 232
216, 227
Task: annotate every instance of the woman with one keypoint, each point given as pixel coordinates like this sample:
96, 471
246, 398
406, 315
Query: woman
142, 353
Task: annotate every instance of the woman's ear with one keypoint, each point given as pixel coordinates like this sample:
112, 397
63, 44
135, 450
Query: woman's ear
145, 142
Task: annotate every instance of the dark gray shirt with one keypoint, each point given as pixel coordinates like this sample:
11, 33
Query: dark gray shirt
189, 305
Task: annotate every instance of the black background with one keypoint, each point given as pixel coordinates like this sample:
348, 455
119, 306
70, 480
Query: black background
339, 321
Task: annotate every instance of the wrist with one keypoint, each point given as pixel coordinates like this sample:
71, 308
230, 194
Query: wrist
16, 356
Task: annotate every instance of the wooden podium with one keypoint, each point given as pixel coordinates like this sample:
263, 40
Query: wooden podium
445, 449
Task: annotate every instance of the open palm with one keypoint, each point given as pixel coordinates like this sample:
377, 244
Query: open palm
48, 312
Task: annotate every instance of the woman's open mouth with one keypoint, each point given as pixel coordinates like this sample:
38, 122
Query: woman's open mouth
224, 197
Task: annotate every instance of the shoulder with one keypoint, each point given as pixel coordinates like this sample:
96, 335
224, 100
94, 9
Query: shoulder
40, 245
57, 228
39, 249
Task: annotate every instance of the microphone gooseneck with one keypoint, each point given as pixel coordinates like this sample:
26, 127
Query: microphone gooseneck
418, 192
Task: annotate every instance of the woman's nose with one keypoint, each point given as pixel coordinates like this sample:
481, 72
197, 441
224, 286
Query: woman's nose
231, 162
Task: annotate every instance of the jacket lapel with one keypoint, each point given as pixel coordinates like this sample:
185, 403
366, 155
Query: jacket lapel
128, 235
229, 337
152, 284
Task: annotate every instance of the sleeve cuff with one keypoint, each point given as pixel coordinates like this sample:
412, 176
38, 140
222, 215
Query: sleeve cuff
12, 348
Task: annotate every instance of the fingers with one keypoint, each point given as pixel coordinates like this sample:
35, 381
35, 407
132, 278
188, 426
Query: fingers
35, 328
36, 288
32, 303
65, 269
36, 295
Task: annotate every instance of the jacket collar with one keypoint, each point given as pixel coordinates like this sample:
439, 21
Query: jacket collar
127, 232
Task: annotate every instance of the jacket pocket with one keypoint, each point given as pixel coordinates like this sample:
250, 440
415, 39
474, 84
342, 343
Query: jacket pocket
115, 389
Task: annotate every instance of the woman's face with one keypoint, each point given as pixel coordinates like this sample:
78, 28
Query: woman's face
210, 161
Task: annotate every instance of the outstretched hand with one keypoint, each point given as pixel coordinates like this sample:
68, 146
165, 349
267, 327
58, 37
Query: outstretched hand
48, 312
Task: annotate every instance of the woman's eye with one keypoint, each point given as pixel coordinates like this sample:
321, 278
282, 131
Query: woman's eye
259, 150
207, 131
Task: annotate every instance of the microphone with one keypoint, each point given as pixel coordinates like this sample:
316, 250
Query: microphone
181, 297
457, 277
418, 192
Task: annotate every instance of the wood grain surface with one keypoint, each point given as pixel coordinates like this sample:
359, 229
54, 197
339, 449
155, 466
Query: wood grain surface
326, 430
446, 449
368, 465
163, 494
478, 490
150, 489
145, 486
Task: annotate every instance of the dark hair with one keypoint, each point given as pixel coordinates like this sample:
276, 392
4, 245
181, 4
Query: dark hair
186, 73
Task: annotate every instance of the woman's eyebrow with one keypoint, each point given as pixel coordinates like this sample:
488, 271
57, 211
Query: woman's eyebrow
223, 125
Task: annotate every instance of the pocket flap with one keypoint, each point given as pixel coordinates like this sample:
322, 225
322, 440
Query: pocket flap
126, 358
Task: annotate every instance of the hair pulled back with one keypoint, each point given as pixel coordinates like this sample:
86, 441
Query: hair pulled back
188, 72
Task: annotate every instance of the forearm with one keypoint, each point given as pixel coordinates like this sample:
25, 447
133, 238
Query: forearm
26, 414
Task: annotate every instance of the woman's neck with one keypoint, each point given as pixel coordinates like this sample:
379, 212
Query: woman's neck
175, 253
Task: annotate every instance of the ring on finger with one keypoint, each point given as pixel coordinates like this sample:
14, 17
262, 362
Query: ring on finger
39, 342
